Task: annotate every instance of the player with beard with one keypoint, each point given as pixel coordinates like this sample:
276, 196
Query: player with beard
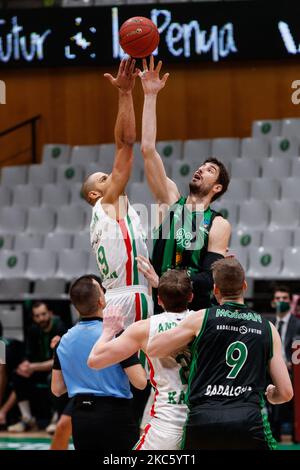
190, 235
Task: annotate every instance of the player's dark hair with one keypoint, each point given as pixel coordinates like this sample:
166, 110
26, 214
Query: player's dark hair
282, 288
175, 289
38, 303
223, 178
84, 294
229, 276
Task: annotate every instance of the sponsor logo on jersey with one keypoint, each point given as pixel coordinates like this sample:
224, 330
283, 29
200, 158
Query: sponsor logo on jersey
242, 329
96, 239
226, 391
94, 221
204, 229
183, 238
248, 316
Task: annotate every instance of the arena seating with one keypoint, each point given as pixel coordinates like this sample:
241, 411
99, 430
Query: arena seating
44, 221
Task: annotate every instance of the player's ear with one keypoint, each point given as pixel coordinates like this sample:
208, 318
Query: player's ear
217, 293
191, 296
102, 302
245, 285
159, 301
217, 188
93, 196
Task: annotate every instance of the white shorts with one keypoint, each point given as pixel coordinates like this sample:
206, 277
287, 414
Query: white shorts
160, 435
135, 301
136, 304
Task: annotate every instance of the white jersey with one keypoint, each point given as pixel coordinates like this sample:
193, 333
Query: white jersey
167, 375
116, 244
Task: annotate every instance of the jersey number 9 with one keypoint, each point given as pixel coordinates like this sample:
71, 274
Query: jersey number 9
236, 356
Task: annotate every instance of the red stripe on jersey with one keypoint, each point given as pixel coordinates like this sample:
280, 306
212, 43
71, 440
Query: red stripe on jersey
153, 382
138, 310
128, 250
142, 440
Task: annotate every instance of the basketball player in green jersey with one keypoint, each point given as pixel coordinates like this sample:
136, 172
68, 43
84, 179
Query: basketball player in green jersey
190, 235
234, 348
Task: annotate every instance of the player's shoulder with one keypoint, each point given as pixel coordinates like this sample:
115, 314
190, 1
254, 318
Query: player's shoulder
196, 313
195, 318
220, 221
221, 225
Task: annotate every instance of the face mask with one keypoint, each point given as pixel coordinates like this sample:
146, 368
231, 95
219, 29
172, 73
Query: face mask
282, 307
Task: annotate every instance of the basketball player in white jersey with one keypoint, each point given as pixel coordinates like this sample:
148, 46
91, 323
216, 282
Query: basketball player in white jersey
169, 375
117, 236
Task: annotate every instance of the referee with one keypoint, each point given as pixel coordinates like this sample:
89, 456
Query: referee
102, 416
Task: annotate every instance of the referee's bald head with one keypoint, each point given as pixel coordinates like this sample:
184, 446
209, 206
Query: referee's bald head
87, 295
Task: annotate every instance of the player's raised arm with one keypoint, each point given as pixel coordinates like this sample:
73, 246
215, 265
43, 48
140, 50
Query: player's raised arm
125, 132
281, 390
108, 351
163, 189
164, 344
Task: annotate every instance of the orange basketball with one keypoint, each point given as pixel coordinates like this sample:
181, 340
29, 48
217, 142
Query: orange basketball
139, 37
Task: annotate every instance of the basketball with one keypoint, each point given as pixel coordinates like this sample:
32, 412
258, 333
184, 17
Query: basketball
139, 37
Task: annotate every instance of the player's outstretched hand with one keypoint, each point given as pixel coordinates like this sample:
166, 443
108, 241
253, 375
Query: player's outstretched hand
127, 73
269, 393
113, 320
146, 268
151, 82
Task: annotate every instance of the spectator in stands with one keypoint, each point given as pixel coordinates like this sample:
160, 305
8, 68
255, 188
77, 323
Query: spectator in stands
14, 351
288, 326
35, 369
